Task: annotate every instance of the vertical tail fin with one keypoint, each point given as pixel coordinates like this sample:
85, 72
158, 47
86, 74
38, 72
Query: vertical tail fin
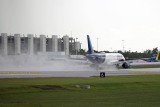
155, 56
90, 49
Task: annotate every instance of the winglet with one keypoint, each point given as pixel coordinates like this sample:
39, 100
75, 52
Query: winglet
90, 49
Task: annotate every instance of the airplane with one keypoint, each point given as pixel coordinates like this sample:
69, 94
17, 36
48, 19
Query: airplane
105, 58
117, 59
154, 57
144, 61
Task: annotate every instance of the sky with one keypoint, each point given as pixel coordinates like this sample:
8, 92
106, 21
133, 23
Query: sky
136, 22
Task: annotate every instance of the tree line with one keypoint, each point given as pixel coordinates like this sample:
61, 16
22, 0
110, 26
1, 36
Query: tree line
136, 55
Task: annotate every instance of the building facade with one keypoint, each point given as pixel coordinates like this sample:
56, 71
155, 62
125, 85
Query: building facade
30, 44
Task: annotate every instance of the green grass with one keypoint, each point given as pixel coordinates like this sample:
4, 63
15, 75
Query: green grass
112, 91
145, 66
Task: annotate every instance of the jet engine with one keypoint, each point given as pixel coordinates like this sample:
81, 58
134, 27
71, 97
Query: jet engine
126, 65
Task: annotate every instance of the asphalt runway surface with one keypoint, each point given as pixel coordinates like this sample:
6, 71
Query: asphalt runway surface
30, 67
78, 73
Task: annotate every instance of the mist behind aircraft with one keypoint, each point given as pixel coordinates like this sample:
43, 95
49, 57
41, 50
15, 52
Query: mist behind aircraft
43, 63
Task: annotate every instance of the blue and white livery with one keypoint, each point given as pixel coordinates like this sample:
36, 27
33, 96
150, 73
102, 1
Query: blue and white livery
154, 57
105, 58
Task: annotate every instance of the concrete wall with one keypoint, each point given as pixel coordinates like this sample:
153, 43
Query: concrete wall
42, 43
17, 44
54, 43
30, 44
66, 44
4, 44
36, 45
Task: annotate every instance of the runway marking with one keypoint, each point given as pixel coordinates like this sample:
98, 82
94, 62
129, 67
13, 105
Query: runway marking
75, 75
144, 72
20, 72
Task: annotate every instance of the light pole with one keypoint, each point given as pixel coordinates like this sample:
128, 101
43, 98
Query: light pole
76, 46
97, 44
123, 45
35, 42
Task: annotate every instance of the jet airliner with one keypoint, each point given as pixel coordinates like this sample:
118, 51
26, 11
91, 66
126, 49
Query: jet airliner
116, 58
154, 57
105, 58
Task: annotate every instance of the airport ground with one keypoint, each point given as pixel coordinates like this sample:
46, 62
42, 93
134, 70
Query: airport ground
146, 66
72, 71
50, 85
112, 91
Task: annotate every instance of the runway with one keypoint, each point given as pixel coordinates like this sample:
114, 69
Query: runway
31, 67
33, 74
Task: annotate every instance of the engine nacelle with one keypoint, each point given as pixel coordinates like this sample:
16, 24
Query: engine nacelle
126, 65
